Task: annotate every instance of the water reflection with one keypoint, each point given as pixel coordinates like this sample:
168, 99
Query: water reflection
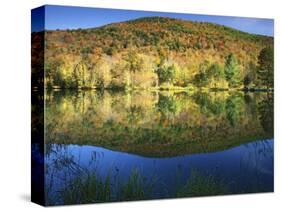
158, 124
165, 136
243, 169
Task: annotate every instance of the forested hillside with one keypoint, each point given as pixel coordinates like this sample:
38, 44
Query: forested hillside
152, 53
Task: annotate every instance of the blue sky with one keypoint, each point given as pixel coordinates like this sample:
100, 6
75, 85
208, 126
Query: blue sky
64, 17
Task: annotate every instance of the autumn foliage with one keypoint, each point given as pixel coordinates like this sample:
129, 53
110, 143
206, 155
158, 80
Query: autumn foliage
149, 53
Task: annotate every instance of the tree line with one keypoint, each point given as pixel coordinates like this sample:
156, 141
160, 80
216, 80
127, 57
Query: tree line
134, 70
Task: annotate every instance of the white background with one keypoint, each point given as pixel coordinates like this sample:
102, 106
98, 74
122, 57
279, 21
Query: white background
15, 104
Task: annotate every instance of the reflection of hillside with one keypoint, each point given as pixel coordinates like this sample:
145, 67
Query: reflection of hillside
158, 124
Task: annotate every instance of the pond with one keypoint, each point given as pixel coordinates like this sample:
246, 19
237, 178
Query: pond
105, 146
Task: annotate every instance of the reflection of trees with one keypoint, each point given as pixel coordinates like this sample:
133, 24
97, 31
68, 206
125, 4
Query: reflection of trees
265, 109
104, 119
215, 107
233, 109
37, 119
135, 113
168, 106
251, 105
37, 147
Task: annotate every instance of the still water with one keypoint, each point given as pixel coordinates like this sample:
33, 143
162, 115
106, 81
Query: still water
149, 145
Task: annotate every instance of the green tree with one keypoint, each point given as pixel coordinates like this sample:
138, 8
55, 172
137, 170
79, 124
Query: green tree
232, 71
250, 74
266, 66
215, 73
201, 78
166, 73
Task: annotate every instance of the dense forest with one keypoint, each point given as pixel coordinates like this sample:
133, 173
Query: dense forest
152, 53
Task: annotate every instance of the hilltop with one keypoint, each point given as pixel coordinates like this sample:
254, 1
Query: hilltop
149, 52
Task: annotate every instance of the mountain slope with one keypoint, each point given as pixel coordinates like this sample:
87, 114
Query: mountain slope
130, 54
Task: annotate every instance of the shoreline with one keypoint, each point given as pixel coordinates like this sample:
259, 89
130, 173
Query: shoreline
154, 89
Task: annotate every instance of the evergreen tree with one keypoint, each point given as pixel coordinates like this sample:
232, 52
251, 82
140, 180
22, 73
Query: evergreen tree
266, 66
166, 74
232, 72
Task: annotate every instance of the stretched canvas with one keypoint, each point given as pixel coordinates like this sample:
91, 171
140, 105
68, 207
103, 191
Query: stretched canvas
139, 105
